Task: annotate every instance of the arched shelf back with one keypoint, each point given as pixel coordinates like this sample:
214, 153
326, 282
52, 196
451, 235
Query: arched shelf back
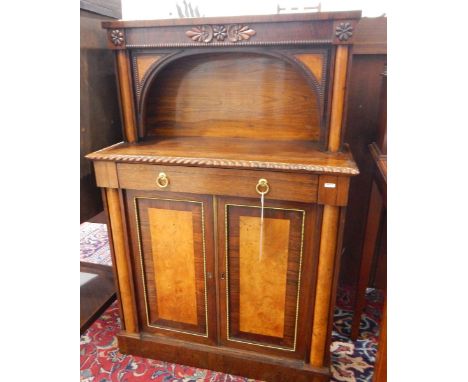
227, 93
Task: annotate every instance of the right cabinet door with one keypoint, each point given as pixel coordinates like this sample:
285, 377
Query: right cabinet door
267, 275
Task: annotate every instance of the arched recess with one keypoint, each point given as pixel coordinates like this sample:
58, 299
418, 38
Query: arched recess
257, 94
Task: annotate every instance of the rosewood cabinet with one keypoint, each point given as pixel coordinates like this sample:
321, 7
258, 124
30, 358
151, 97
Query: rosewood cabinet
226, 201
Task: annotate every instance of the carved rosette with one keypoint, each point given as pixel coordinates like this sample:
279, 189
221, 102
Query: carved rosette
207, 33
219, 32
117, 37
344, 31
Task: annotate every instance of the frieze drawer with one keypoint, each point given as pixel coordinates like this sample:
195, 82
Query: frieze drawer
244, 183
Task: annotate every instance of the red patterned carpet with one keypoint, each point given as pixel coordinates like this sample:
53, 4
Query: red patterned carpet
100, 360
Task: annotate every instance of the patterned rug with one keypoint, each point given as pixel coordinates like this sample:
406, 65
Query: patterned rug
94, 244
100, 360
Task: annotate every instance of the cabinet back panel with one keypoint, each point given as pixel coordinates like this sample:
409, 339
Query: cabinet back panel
244, 95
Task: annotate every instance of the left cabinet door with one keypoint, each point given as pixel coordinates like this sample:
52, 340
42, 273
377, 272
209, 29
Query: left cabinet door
172, 251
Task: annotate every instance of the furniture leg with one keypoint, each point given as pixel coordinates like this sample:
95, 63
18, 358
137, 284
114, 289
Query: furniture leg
370, 241
380, 368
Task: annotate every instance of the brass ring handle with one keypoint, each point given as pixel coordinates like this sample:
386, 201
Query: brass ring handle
262, 187
162, 180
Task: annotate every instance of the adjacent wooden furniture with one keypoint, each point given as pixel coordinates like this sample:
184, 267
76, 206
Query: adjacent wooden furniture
380, 367
97, 292
362, 124
375, 236
226, 201
375, 239
99, 105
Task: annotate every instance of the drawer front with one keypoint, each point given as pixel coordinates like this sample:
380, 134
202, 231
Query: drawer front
243, 183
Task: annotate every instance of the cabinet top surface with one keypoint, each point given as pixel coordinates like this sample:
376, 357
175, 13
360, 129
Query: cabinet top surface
291, 156
318, 16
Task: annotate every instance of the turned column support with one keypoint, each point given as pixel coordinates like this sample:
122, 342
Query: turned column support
338, 97
328, 240
121, 266
330, 222
126, 99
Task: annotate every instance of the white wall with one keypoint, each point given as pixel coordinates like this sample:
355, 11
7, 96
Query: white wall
153, 9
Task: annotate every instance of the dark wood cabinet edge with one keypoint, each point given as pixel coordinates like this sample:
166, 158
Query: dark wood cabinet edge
344, 120
369, 48
380, 173
227, 360
377, 156
371, 36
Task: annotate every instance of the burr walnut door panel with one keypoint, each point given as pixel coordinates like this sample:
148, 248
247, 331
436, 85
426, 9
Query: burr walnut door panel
266, 275
173, 262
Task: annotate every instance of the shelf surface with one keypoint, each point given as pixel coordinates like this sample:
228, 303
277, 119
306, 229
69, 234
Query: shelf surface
294, 156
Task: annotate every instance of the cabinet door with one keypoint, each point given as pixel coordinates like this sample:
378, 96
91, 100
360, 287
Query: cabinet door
173, 261
266, 275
